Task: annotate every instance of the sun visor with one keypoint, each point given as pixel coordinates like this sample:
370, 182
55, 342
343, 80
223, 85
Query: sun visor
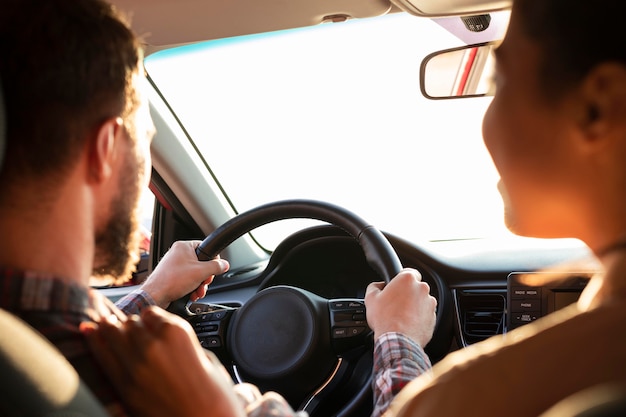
441, 8
165, 22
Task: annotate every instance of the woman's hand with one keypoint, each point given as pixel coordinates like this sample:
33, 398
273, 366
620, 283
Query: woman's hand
158, 367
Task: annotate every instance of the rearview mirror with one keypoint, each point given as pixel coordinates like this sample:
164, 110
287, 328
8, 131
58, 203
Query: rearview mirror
466, 71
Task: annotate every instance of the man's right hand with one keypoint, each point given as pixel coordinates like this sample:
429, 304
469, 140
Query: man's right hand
404, 306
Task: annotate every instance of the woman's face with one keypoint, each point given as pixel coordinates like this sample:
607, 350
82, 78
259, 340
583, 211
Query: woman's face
527, 138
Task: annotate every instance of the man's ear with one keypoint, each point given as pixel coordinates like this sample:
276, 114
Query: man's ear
102, 149
604, 101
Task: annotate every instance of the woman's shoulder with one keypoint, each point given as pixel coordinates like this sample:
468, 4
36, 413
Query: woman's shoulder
544, 362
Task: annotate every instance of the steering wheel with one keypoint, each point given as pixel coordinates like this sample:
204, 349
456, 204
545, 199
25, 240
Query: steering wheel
287, 339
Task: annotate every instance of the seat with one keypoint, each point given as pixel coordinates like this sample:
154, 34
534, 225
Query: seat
35, 379
607, 400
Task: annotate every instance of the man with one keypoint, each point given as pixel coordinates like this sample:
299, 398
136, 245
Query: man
77, 158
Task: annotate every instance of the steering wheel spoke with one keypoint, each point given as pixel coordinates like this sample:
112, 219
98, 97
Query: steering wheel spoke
211, 326
348, 324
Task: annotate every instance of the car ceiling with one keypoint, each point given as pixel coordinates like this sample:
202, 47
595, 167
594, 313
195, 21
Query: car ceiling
163, 23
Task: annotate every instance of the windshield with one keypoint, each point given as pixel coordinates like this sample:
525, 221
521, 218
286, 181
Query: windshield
334, 112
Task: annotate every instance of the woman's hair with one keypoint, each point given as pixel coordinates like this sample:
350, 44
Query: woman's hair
575, 36
66, 66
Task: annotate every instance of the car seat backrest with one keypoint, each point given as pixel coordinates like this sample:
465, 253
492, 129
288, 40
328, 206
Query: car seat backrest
605, 400
35, 378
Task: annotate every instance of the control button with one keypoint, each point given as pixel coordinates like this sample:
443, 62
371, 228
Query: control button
210, 342
358, 317
355, 331
339, 305
343, 316
198, 324
207, 328
518, 292
522, 318
355, 304
206, 317
219, 315
526, 305
340, 333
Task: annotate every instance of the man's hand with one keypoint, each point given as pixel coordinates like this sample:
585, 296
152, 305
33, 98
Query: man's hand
180, 273
404, 306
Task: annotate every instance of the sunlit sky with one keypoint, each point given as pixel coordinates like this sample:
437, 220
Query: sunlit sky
335, 113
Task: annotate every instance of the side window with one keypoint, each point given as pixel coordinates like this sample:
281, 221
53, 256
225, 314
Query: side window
146, 222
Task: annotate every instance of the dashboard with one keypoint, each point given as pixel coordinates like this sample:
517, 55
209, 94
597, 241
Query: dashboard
474, 281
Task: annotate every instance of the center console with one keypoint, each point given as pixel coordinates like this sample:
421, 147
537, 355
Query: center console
533, 295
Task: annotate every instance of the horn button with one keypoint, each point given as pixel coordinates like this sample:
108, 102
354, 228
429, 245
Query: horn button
281, 339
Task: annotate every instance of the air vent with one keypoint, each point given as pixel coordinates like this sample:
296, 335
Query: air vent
481, 314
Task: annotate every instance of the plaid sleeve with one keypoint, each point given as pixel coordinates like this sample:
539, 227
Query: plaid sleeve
134, 302
397, 361
264, 405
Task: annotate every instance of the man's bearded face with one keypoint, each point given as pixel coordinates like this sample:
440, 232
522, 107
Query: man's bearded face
117, 244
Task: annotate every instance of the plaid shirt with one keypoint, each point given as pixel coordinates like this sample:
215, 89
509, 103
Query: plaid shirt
56, 308
397, 361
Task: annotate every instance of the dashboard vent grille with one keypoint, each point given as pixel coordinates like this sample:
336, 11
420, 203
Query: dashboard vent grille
481, 315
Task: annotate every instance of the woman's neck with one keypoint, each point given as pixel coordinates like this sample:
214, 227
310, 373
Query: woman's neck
610, 285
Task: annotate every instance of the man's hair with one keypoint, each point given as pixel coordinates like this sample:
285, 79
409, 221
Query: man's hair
66, 66
575, 36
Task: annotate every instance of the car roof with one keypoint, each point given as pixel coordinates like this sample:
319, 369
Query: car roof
163, 23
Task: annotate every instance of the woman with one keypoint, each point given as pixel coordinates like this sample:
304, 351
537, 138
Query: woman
556, 130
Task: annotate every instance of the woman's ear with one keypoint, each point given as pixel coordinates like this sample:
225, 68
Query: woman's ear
604, 101
102, 149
